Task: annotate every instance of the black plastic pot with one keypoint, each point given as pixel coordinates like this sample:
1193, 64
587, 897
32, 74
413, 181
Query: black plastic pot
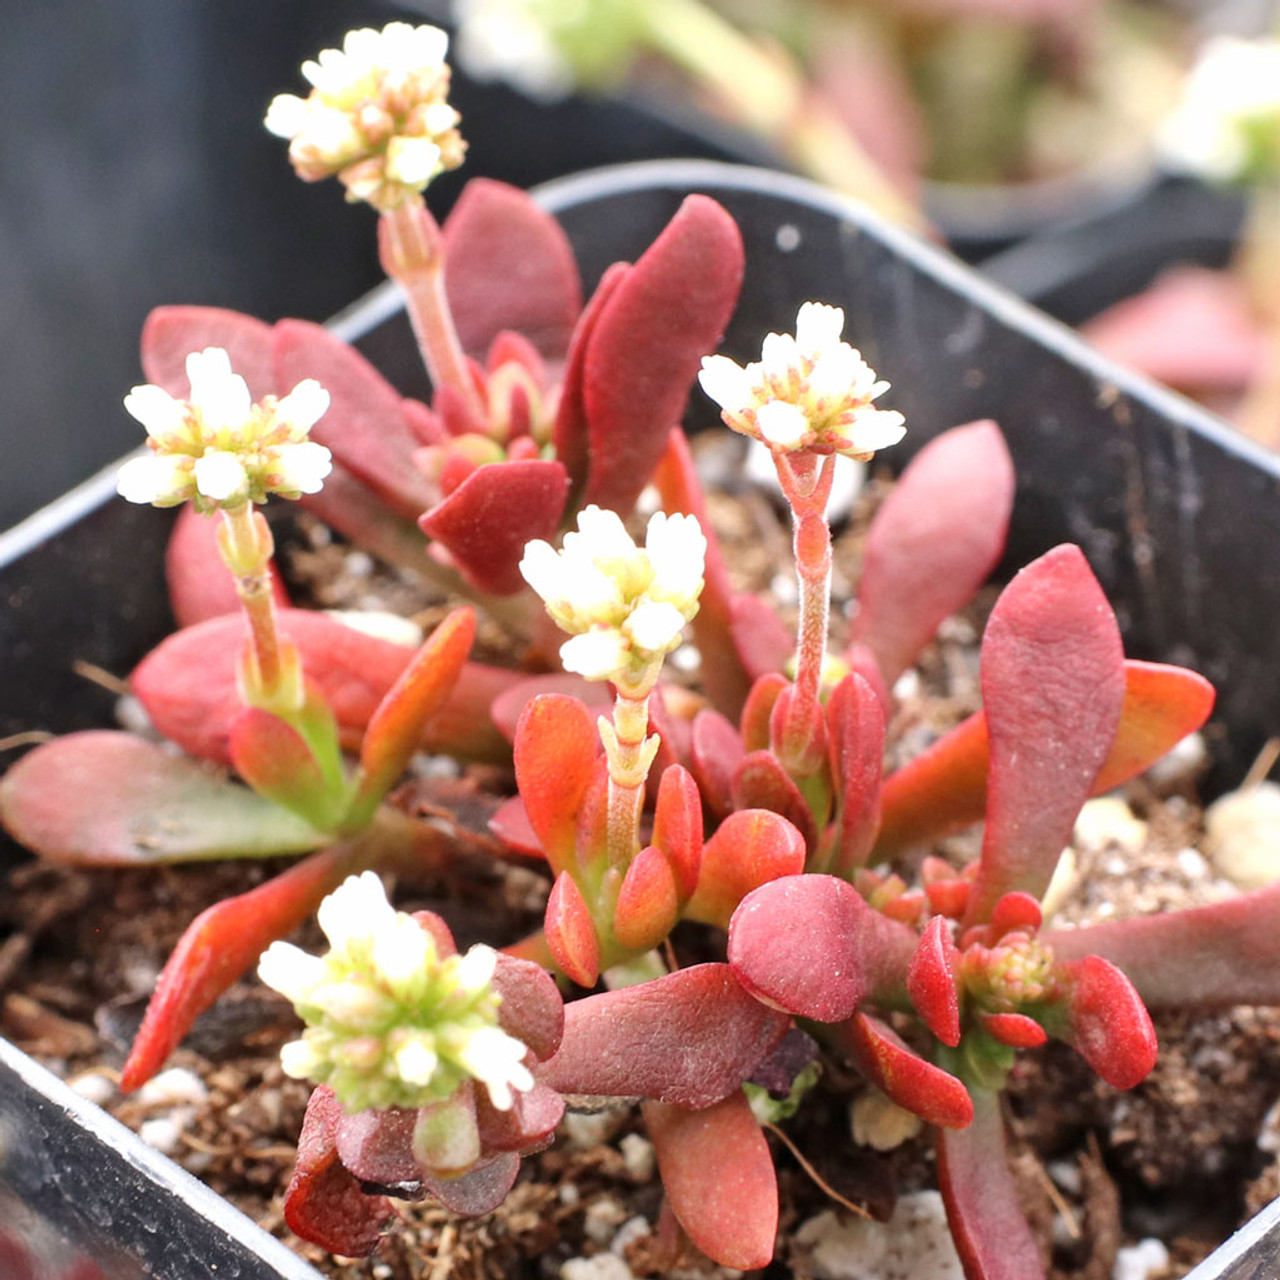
1179, 517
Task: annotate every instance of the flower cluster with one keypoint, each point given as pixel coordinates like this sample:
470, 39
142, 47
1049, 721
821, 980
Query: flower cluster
808, 392
624, 606
377, 115
1227, 124
1018, 971
389, 1022
218, 448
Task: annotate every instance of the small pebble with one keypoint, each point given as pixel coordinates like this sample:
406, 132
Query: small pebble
569, 1194
632, 1230
914, 1244
602, 1219
583, 1129
1269, 1131
1108, 821
878, 1122
1192, 864
381, 625
94, 1087
1143, 1261
1242, 835
172, 1088
638, 1157
907, 686
164, 1133
1065, 877
359, 564
604, 1266
1181, 764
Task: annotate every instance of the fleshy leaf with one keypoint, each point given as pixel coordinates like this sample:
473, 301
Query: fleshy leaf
487, 520
1108, 1024
532, 1009
716, 752
557, 749
1014, 1029
199, 585
324, 1203
1053, 688
508, 266
748, 849
723, 677
188, 686
690, 1038
510, 823
397, 726
931, 982
480, 1190
170, 334
571, 932
987, 1223
365, 426
855, 725
933, 542
528, 1125
911, 1081
757, 714
761, 782
223, 942
677, 827
107, 798
945, 787
377, 1145
665, 314
761, 639
811, 945
275, 760
718, 1173
647, 902
1208, 957
509, 706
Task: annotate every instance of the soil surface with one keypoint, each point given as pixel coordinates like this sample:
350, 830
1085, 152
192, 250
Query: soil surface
1177, 1158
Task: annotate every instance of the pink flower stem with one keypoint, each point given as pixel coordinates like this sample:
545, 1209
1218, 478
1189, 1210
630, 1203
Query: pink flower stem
627, 772
806, 481
412, 254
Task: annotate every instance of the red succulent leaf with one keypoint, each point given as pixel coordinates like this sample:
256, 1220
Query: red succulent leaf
1108, 1024
1210, 957
440, 933
424, 422
376, 1146
276, 761
532, 1009
934, 542
983, 1211
324, 1203
911, 1081
1016, 911
365, 426
570, 436
529, 1124
757, 714
105, 798
762, 640
170, 334
718, 1174
1014, 1029
510, 823
509, 706
945, 787
677, 482
949, 898
665, 314
749, 848
397, 726
690, 1038
222, 943
648, 901
931, 982
677, 826
716, 752
486, 521
188, 686
480, 1190
199, 585
761, 782
809, 944
557, 748
855, 725
571, 932
508, 266
1053, 688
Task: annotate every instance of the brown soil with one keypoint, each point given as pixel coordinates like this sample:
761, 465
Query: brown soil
1176, 1158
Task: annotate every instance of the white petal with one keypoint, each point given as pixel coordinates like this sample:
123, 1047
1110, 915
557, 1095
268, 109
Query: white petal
818, 326
403, 952
221, 476
475, 969
496, 1060
157, 410
726, 382
222, 397
602, 538
291, 971
299, 1060
304, 406
355, 1006
677, 550
287, 115
162, 481
780, 357
439, 118
655, 625
874, 429
416, 1062
412, 161
301, 468
357, 909
782, 425
330, 133
596, 655
544, 571
838, 373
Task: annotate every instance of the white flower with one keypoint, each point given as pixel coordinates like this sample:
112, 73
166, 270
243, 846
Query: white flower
624, 606
218, 448
811, 391
497, 1061
377, 115
1226, 126
389, 1022
503, 40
